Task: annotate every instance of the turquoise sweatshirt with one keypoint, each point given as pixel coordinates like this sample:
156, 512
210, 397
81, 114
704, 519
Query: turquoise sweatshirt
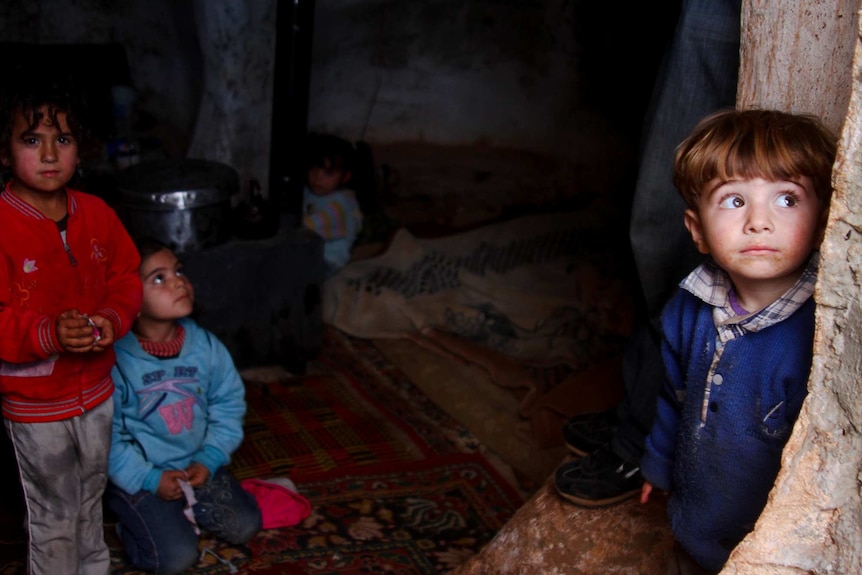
171, 412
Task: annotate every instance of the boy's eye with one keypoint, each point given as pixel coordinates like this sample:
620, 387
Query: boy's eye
731, 202
787, 200
64, 140
158, 279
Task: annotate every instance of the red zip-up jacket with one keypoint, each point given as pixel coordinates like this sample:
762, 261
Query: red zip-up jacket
95, 272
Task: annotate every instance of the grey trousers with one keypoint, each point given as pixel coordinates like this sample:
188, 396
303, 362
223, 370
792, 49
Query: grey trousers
63, 466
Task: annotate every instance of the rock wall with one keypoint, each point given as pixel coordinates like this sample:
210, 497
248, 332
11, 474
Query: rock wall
541, 76
568, 79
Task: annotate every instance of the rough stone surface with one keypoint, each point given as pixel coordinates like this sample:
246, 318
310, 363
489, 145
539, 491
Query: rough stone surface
793, 58
549, 536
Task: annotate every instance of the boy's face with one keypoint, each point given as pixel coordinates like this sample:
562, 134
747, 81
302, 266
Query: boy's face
323, 180
168, 293
758, 230
43, 159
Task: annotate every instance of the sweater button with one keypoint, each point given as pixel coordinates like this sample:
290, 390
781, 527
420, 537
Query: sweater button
717, 379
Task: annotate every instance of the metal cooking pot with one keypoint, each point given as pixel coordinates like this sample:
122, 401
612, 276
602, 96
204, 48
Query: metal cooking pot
182, 202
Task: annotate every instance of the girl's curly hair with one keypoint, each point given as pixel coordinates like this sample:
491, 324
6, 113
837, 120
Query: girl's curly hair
27, 91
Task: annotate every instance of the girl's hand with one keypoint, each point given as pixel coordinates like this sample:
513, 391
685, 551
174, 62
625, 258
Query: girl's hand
105, 330
169, 484
74, 332
198, 474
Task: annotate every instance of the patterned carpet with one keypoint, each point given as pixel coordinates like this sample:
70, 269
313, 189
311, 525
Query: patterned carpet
396, 485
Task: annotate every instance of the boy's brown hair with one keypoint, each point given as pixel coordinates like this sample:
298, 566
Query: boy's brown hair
755, 143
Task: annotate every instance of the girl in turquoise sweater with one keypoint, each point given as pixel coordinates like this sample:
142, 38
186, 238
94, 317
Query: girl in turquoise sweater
179, 406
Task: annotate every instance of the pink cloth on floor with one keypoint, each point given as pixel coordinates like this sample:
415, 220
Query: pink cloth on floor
279, 506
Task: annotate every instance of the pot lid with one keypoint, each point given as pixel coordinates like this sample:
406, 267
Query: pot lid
176, 184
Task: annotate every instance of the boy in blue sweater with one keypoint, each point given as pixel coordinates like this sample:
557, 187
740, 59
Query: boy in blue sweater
179, 405
738, 335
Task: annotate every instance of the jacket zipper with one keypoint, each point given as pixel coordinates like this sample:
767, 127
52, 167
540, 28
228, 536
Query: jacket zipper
63, 233
69, 253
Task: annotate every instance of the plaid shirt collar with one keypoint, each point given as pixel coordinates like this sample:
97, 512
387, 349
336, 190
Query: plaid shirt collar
711, 284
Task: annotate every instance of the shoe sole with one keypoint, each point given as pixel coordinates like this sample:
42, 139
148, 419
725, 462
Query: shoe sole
597, 503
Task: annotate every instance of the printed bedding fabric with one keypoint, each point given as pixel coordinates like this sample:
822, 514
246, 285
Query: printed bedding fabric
544, 288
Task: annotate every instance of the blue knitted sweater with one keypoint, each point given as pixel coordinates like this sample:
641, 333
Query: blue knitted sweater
735, 386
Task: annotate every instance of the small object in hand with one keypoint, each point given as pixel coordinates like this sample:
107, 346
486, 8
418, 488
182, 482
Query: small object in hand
188, 510
96, 333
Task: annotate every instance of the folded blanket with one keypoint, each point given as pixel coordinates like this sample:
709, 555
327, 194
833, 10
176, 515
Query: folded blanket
537, 287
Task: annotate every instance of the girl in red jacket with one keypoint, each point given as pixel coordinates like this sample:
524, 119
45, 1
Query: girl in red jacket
69, 287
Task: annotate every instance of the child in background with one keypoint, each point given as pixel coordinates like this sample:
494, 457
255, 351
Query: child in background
328, 207
738, 335
179, 406
68, 287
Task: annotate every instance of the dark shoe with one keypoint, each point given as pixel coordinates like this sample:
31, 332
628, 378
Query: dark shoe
599, 479
587, 432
